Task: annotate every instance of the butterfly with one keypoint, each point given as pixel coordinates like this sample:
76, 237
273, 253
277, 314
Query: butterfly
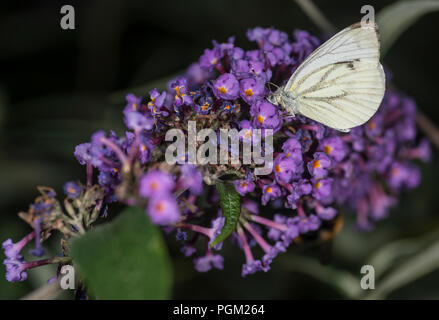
341, 84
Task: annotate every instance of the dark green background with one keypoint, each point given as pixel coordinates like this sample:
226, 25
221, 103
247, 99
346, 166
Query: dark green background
57, 87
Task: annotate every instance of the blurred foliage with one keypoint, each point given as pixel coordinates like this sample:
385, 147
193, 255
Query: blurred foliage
393, 20
57, 87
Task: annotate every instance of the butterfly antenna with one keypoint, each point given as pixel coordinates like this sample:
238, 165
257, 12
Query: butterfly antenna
271, 83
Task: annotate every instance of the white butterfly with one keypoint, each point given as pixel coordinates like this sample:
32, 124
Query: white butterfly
341, 84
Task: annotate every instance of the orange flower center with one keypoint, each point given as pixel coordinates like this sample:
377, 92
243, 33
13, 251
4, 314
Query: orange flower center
222, 89
249, 92
269, 190
316, 164
160, 207
154, 185
328, 149
278, 168
261, 119
205, 106
71, 190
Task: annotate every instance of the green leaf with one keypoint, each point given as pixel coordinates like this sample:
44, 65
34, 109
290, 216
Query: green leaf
124, 259
394, 19
231, 208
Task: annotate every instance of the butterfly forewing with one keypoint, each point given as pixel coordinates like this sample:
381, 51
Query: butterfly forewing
341, 84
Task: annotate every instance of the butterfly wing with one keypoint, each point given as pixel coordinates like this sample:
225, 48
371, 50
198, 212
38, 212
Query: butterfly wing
341, 84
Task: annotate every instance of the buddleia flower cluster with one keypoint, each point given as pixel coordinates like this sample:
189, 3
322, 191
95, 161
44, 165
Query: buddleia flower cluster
317, 171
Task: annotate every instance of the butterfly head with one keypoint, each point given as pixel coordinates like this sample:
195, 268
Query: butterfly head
275, 97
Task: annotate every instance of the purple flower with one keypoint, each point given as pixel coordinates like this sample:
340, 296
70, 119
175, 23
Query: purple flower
163, 209
270, 192
320, 165
241, 68
204, 105
333, 147
181, 235
226, 87
306, 224
205, 263
327, 213
251, 89
244, 186
274, 233
265, 115
155, 183
253, 266
196, 75
227, 106
298, 189
157, 99
138, 122
322, 188
133, 102
277, 38
292, 148
210, 58
284, 168
422, 151
257, 34
12, 250
191, 178
15, 269
380, 202
109, 180
145, 149
72, 189
403, 176
182, 95
291, 233
272, 253
83, 153
257, 68
188, 250
304, 44
373, 127
14, 262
